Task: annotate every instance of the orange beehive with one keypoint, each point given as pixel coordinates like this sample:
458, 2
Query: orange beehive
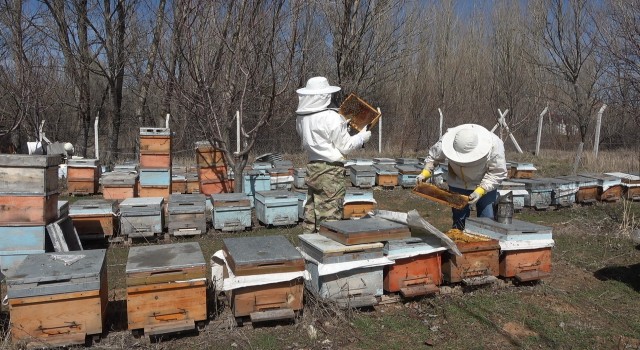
479, 259
208, 156
28, 210
155, 141
526, 265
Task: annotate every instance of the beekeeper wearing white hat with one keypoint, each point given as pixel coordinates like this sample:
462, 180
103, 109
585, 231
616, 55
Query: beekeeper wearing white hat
326, 139
477, 166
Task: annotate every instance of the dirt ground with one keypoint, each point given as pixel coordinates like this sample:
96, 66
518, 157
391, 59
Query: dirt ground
591, 301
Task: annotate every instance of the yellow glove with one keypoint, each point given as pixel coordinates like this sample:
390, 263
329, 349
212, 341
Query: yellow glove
475, 196
424, 175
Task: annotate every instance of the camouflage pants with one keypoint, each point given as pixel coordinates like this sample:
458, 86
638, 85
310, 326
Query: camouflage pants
325, 195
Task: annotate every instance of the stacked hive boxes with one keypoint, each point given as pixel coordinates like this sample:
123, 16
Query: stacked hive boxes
212, 169
155, 162
28, 202
83, 176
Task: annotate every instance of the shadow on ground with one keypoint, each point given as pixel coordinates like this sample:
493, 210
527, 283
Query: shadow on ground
629, 275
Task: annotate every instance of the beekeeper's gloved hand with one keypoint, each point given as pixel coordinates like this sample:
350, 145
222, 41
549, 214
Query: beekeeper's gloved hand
424, 176
474, 197
365, 135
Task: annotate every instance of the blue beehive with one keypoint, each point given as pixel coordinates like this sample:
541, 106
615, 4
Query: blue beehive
17, 242
231, 211
155, 177
363, 176
277, 208
407, 174
254, 181
141, 217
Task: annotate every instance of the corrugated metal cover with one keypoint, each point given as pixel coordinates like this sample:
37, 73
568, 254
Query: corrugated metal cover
164, 257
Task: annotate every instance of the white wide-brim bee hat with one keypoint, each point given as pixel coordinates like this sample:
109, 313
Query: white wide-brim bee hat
466, 143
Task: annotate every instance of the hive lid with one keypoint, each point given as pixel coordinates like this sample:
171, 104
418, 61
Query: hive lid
363, 168
155, 132
100, 205
229, 197
626, 178
30, 161
414, 245
408, 169
534, 184
363, 225
165, 256
260, 250
327, 245
276, 194
49, 267
517, 230
187, 198
407, 161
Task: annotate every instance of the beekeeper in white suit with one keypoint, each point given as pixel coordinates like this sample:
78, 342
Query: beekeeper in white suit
477, 166
326, 139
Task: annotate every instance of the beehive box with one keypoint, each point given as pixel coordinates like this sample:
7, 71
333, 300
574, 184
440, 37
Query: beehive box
283, 164
538, 193
248, 256
212, 173
630, 185
417, 269
187, 214
54, 303
231, 211
94, 218
363, 176
141, 217
255, 181
119, 185
17, 242
407, 161
29, 175
208, 156
28, 209
609, 187
479, 259
166, 288
277, 208
266, 166
356, 287
587, 188
302, 201
155, 177
366, 230
83, 176
386, 175
159, 160
178, 183
517, 190
564, 191
280, 179
525, 247
193, 183
298, 177
155, 141
521, 170
357, 203
407, 174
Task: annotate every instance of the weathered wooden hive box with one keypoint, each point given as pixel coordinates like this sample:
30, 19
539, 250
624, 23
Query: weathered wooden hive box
609, 187
587, 188
231, 211
356, 161
357, 203
386, 175
407, 161
525, 247
94, 218
418, 266
193, 183
518, 170
283, 164
266, 166
539, 193
249, 256
280, 179
119, 185
155, 141
208, 156
352, 287
58, 299
17, 242
155, 183
166, 288
187, 214
83, 176
630, 185
178, 183
255, 181
277, 208
363, 176
28, 189
407, 174
302, 201
563, 191
366, 230
298, 177
479, 259
141, 217
517, 190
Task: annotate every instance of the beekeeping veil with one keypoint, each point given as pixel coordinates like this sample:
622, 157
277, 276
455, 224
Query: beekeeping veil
315, 96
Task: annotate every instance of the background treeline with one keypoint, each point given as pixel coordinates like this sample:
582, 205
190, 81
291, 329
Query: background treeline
132, 62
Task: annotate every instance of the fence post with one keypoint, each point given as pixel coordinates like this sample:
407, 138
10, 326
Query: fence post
540, 119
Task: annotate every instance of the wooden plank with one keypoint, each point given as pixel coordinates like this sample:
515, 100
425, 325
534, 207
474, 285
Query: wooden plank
441, 196
170, 327
282, 295
166, 302
28, 210
272, 315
